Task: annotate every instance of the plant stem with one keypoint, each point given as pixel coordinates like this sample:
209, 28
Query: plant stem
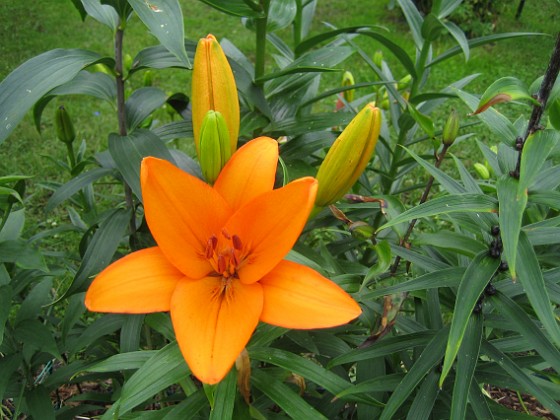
121, 116
544, 92
423, 199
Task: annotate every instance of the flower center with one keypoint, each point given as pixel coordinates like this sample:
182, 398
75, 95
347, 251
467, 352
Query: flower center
224, 254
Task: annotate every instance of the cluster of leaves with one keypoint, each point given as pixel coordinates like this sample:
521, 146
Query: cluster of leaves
476, 304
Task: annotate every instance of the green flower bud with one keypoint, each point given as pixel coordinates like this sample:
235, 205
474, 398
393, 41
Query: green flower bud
127, 63
348, 156
361, 230
148, 78
348, 80
378, 58
482, 170
63, 125
451, 128
404, 82
215, 145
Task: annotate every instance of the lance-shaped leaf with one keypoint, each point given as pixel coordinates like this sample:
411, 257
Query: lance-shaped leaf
141, 104
34, 78
536, 150
530, 276
478, 203
504, 90
512, 205
103, 13
241, 8
128, 152
164, 19
476, 277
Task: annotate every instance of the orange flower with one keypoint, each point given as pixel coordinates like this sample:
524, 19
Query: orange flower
218, 265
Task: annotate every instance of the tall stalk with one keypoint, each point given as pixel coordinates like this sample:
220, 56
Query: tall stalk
121, 117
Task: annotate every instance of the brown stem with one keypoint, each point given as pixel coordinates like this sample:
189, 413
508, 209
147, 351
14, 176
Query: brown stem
544, 92
121, 116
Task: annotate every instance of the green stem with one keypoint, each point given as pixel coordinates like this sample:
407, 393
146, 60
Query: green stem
71, 156
121, 117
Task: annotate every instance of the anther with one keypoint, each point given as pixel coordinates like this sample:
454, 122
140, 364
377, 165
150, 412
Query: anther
226, 234
211, 246
237, 242
221, 264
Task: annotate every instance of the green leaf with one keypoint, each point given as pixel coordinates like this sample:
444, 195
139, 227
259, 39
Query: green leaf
479, 272
128, 152
554, 113
423, 403
8, 365
38, 297
130, 333
159, 57
34, 333
240, 8
174, 130
164, 19
224, 397
102, 13
447, 277
496, 122
39, 403
23, 254
163, 369
536, 150
519, 375
384, 347
306, 368
99, 85
125, 361
283, 396
462, 244
101, 249
141, 104
429, 358
64, 192
467, 359
504, 90
457, 33
432, 28
425, 122
281, 14
525, 326
6, 293
447, 204
34, 78
512, 205
531, 277
446, 8
105, 325
189, 407
414, 20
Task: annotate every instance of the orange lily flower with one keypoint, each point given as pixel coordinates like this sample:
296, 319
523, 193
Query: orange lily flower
218, 265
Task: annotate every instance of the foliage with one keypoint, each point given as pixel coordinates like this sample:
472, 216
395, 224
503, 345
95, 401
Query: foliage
475, 304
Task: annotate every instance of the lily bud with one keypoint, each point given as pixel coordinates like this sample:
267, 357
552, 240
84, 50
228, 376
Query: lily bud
348, 80
378, 58
361, 230
451, 128
482, 170
213, 88
348, 156
215, 146
64, 127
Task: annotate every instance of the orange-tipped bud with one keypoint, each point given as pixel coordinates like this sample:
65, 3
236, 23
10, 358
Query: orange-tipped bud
213, 88
348, 156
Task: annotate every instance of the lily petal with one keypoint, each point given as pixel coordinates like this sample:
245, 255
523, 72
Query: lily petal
213, 324
183, 213
249, 173
269, 226
139, 283
296, 296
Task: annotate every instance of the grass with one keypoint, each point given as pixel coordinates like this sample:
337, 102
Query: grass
49, 24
